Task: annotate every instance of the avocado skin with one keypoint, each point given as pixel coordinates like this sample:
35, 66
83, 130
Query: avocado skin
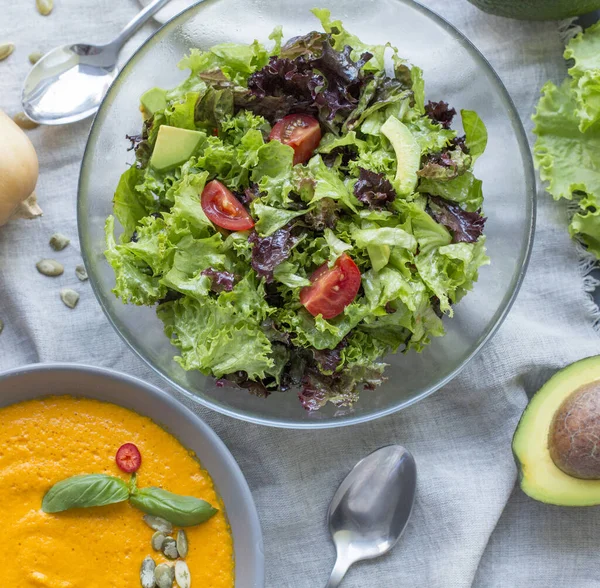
537, 9
538, 476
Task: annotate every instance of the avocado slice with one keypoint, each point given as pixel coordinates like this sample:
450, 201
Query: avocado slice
174, 146
537, 9
541, 439
154, 100
408, 154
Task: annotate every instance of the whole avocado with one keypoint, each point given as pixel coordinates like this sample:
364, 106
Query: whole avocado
537, 9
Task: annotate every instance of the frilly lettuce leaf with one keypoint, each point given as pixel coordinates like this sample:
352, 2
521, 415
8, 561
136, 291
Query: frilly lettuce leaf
135, 281
584, 49
567, 158
585, 224
449, 271
236, 61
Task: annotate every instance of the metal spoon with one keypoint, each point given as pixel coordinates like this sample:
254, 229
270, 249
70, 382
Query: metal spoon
68, 83
371, 507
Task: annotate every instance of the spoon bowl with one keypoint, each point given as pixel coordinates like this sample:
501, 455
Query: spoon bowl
371, 508
69, 83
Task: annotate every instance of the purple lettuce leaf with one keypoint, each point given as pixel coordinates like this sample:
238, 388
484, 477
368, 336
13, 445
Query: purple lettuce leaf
269, 252
373, 189
440, 112
466, 227
221, 281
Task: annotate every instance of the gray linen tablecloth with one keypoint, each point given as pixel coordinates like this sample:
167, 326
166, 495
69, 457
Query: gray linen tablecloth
470, 526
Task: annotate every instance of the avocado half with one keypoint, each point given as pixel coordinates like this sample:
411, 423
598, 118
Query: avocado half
561, 425
537, 9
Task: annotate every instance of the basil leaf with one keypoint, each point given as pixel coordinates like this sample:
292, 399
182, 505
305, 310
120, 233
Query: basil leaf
181, 511
85, 491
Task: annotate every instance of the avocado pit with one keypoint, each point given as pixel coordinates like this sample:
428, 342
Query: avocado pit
574, 436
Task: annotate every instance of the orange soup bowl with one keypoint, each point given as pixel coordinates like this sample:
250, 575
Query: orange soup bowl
58, 421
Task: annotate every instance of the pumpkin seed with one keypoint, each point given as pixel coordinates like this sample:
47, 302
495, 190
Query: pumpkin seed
6, 49
81, 273
182, 575
182, 543
35, 57
24, 122
58, 241
169, 548
158, 524
147, 578
50, 267
44, 6
158, 540
1, 326
69, 297
164, 575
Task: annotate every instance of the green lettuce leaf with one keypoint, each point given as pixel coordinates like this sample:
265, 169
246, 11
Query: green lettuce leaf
128, 205
449, 271
236, 61
465, 189
475, 132
584, 49
567, 158
135, 281
585, 224
270, 218
384, 236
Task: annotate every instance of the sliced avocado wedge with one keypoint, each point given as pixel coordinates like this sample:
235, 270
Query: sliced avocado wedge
174, 146
379, 256
154, 100
540, 437
408, 154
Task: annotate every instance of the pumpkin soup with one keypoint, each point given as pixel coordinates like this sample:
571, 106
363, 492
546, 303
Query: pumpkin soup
44, 442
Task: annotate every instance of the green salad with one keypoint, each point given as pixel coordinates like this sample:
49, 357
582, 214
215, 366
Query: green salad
298, 212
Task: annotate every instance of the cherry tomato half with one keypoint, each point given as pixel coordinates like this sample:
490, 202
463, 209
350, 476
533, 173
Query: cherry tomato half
331, 289
224, 209
299, 131
129, 458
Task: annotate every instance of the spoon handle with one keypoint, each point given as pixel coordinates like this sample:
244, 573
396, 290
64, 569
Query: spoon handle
137, 22
339, 571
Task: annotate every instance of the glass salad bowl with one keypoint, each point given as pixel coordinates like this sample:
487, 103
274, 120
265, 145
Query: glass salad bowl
453, 70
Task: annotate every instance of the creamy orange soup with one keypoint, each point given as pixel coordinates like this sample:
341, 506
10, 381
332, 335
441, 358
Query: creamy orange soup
45, 441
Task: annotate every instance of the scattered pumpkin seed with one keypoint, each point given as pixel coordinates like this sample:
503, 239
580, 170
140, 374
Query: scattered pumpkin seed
1, 326
50, 267
58, 241
69, 297
182, 543
158, 540
35, 57
147, 578
44, 6
164, 575
182, 575
5, 50
24, 122
158, 524
169, 548
81, 273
